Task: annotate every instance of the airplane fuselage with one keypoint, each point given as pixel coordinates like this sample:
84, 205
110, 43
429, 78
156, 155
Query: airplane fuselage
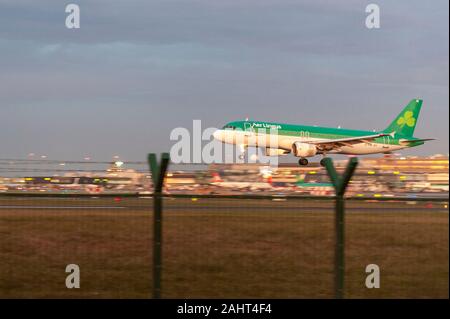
283, 136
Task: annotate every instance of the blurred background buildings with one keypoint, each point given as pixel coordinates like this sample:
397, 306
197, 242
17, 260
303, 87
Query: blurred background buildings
376, 176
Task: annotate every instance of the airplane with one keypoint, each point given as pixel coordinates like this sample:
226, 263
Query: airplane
315, 187
308, 141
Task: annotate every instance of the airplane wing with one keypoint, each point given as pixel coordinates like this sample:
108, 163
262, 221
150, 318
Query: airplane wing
331, 144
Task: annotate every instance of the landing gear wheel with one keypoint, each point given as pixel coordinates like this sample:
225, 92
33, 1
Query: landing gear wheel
241, 157
303, 161
322, 161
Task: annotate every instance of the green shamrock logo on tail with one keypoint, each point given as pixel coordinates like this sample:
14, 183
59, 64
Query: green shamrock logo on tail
407, 119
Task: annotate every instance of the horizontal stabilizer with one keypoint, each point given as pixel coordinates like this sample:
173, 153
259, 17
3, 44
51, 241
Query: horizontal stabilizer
406, 142
424, 139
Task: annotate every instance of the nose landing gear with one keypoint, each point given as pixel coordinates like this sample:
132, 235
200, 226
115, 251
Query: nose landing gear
243, 149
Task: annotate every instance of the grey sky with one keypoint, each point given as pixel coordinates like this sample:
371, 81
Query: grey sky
137, 69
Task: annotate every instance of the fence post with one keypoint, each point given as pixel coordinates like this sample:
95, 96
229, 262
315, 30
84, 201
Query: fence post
340, 185
158, 175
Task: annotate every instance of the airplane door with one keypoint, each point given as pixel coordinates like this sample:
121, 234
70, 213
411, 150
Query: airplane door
248, 129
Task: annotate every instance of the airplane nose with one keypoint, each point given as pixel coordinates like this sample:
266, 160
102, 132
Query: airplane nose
218, 135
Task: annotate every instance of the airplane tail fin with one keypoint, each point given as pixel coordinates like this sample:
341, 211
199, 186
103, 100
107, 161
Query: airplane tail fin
405, 123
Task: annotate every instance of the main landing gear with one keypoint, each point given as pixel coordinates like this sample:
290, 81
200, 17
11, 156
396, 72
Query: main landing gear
322, 161
303, 161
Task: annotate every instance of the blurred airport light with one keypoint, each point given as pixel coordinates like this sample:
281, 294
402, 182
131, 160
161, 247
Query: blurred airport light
118, 163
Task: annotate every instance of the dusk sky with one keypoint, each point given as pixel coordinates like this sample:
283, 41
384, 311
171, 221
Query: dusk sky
135, 70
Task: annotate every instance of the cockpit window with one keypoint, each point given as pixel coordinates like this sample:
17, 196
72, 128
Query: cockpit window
229, 127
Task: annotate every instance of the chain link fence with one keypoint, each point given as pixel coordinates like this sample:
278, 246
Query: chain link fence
220, 247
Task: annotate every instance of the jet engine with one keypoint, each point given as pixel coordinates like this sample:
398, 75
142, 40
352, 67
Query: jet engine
300, 149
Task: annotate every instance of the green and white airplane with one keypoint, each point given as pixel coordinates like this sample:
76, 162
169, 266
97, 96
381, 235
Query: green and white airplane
307, 141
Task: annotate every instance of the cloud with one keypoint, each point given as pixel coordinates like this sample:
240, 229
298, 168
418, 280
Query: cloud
174, 61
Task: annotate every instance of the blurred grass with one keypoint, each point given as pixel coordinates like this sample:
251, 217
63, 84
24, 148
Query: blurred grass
221, 248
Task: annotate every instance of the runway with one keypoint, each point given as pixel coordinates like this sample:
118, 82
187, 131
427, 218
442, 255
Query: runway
214, 204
